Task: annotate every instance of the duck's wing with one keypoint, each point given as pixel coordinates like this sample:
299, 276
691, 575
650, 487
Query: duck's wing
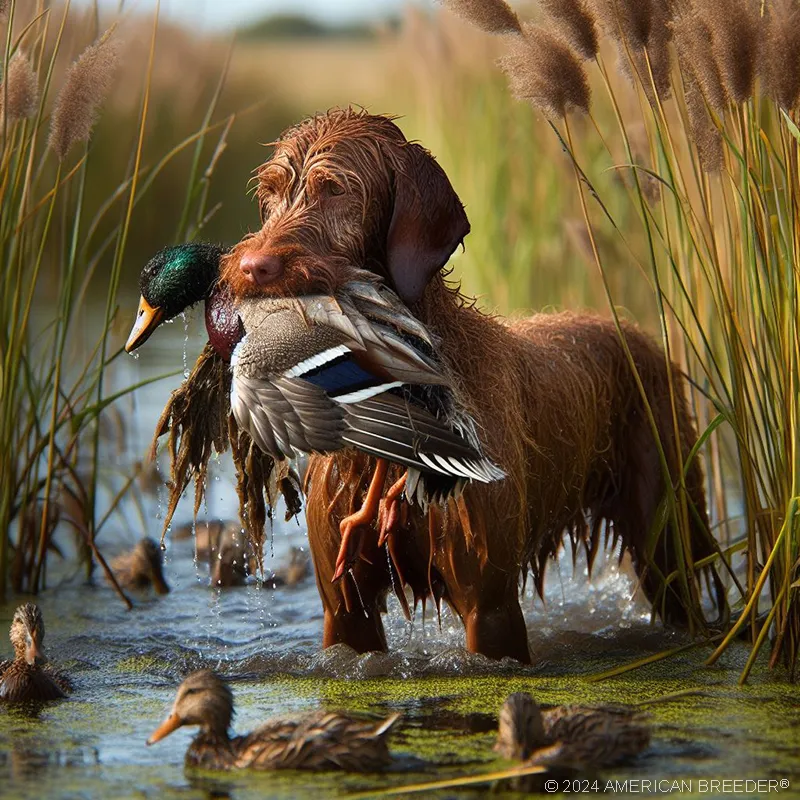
569, 722
319, 376
4, 665
267, 747
594, 737
320, 740
390, 427
62, 680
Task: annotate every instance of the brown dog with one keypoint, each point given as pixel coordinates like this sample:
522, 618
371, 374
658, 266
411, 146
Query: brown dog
554, 396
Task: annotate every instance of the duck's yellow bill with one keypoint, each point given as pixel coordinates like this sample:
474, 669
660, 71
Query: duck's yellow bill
170, 724
147, 320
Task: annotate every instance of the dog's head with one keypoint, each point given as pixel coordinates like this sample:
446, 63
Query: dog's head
342, 191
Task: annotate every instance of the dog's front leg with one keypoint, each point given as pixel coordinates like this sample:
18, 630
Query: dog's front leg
498, 630
353, 605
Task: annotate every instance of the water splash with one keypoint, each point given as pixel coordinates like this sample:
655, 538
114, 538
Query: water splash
185, 318
358, 592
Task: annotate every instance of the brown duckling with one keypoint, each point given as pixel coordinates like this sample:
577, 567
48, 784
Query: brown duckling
140, 568
315, 741
569, 739
292, 573
230, 558
205, 533
297, 570
27, 677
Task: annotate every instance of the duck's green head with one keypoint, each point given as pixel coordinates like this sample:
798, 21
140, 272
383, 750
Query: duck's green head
172, 281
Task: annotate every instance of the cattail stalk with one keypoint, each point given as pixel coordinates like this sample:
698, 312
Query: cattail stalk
85, 88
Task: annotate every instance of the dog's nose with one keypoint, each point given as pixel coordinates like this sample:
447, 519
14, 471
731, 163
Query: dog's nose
261, 268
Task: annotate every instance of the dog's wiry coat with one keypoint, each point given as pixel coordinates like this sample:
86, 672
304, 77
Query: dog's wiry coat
554, 398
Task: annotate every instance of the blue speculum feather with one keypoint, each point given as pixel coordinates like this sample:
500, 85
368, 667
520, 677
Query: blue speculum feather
341, 376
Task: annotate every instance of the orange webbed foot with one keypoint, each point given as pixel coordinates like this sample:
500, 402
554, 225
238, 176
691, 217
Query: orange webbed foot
353, 538
392, 510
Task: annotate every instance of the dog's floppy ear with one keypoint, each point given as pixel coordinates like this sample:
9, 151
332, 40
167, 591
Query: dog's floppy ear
428, 222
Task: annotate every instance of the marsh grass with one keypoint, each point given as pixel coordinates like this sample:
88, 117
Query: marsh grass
54, 397
696, 118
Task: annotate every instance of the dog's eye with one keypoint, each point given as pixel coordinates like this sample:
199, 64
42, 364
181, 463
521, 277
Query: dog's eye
333, 188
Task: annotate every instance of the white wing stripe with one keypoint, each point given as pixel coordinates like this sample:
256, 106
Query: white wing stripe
364, 394
318, 360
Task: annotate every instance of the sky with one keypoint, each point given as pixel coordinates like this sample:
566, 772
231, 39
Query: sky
220, 14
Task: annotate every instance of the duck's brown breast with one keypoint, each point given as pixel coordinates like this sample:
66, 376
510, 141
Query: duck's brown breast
23, 682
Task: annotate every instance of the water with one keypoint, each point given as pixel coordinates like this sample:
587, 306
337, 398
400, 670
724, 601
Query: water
126, 666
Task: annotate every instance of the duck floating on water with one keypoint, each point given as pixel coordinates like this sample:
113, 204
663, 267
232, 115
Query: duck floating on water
321, 373
141, 567
316, 741
28, 678
568, 739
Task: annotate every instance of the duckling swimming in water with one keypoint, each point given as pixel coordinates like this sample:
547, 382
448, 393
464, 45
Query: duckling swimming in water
230, 557
297, 570
141, 568
568, 738
27, 678
316, 741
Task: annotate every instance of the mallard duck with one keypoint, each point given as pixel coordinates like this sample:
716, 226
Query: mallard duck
28, 677
320, 373
569, 737
315, 741
141, 567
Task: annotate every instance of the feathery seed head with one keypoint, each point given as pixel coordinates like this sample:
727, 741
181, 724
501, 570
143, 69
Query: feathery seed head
735, 27
573, 20
640, 29
493, 16
626, 21
694, 45
20, 88
705, 135
85, 88
780, 57
542, 69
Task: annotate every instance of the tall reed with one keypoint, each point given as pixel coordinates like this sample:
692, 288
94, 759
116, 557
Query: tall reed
702, 135
53, 389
